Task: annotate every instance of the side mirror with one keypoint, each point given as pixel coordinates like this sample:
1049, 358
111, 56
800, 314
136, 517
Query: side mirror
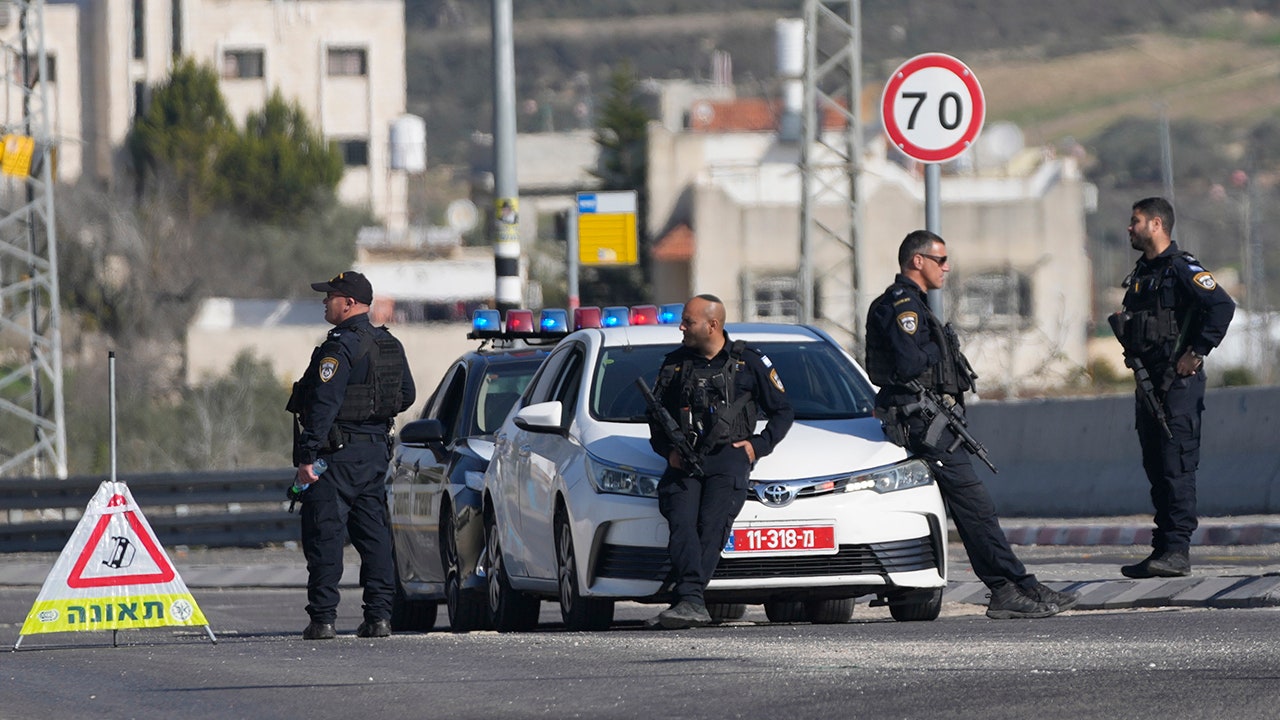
547, 417
422, 432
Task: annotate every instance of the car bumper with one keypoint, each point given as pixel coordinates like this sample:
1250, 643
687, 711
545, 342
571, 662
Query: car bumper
893, 540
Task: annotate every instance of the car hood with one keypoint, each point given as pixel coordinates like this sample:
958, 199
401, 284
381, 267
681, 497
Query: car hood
812, 448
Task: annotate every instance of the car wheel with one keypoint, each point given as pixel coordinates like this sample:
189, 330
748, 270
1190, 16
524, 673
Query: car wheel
467, 611
510, 609
722, 612
829, 612
411, 615
784, 611
579, 613
918, 605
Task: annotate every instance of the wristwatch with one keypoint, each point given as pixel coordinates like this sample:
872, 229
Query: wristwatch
1195, 354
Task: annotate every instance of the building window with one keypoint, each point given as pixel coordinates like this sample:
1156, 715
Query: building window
241, 64
776, 298
139, 29
996, 299
355, 153
31, 69
348, 62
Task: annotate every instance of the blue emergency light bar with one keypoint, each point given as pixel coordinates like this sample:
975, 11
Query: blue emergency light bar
615, 316
485, 325
554, 320
670, 314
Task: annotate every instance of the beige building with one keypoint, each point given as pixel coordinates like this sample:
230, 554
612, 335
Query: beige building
725, 207
343, 61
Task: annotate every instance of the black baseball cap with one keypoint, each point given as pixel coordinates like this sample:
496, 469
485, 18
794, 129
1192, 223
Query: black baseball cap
350, 283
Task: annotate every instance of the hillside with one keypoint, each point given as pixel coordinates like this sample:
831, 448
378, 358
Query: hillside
1056, 68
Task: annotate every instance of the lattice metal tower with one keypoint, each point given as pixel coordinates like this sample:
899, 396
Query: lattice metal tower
830, 214
30, 338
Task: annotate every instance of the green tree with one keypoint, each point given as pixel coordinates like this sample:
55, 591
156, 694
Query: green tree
177, 141
622, 134
279, 166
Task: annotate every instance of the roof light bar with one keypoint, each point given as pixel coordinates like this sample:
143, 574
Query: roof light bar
519, 322
485, 324
586, 317
670, 314
644, 315
615, 316
553, 320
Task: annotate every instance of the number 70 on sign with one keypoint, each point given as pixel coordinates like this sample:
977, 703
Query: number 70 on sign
932, 108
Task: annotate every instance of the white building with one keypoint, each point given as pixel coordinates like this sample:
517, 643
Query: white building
342, 61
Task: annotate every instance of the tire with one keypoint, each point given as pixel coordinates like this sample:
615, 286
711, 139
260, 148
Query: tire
916, 606
411, 615
724, 612
579, 613
781, 611
510, 609
467, 610
829, 612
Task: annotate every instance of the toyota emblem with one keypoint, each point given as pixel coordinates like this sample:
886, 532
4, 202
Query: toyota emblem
776, 494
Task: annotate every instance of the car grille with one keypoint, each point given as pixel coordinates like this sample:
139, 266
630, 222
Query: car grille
646, 563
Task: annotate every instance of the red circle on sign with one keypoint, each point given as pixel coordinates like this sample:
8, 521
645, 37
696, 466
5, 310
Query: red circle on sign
898, 135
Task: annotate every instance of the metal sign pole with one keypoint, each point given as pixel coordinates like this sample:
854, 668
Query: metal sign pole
571, 255
933, 222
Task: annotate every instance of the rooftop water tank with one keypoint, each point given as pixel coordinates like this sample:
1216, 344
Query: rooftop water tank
409, 144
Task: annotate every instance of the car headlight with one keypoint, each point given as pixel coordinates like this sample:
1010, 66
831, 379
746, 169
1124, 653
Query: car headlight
621, 479
909, 474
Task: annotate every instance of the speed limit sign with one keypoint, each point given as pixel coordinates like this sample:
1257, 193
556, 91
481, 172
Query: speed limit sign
932, 107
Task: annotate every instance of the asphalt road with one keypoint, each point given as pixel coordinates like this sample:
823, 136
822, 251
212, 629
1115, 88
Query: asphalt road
1185, 662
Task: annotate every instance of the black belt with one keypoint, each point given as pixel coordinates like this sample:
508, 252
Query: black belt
363, 437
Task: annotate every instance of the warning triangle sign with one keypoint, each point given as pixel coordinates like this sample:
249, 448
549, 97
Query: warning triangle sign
112, 574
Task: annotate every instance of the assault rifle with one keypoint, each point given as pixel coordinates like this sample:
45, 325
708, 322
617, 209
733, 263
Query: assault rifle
1146, 388
688, 456
941, 416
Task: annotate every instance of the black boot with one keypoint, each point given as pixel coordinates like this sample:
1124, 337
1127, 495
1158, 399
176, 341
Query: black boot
1009, 602
1160, 563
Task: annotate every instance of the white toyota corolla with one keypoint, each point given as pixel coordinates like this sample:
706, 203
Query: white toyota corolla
834, 513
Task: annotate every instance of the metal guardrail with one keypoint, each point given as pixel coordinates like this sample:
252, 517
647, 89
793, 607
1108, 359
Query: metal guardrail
242, 508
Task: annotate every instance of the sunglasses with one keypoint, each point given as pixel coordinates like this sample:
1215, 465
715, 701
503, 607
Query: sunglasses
940, 259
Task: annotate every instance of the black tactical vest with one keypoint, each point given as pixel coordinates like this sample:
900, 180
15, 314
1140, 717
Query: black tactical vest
712, 411
378, 397
1151, 298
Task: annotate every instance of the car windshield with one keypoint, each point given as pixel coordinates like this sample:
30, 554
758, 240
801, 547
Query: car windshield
499, 389
820, 381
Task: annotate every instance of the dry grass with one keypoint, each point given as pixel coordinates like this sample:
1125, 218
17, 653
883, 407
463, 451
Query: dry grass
1220, 81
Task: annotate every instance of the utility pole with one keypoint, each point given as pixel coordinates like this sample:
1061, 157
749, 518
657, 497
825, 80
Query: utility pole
508, 290
829, 168
30, 384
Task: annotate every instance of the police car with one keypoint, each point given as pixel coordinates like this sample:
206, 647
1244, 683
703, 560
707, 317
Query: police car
834, 513
434, 479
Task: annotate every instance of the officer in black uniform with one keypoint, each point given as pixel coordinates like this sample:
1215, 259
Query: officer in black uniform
906, 342
1174, 314
716, 388
343, 406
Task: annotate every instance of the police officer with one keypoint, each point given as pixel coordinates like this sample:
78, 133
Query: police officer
344, 405
906, 342
1174, 314
716, 388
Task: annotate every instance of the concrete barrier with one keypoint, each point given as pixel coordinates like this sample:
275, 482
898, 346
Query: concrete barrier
1080, 457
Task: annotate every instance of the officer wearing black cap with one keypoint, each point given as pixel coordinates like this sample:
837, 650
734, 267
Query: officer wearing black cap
1174, 314
717, 388
344, 406
906, 342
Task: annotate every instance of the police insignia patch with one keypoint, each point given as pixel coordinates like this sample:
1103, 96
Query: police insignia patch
328, 367
1205, 281
777, 382
909, 321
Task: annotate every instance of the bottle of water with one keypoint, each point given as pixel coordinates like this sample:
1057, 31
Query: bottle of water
295, 491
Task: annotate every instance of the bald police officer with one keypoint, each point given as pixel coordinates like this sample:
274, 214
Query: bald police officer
344, 406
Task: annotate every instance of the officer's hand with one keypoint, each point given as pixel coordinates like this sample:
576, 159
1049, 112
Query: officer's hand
673, 459
306, 475
1188, 364
751, 449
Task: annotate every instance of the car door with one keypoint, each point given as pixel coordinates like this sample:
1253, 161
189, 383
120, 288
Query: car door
546, 452
421, 476
507, 479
